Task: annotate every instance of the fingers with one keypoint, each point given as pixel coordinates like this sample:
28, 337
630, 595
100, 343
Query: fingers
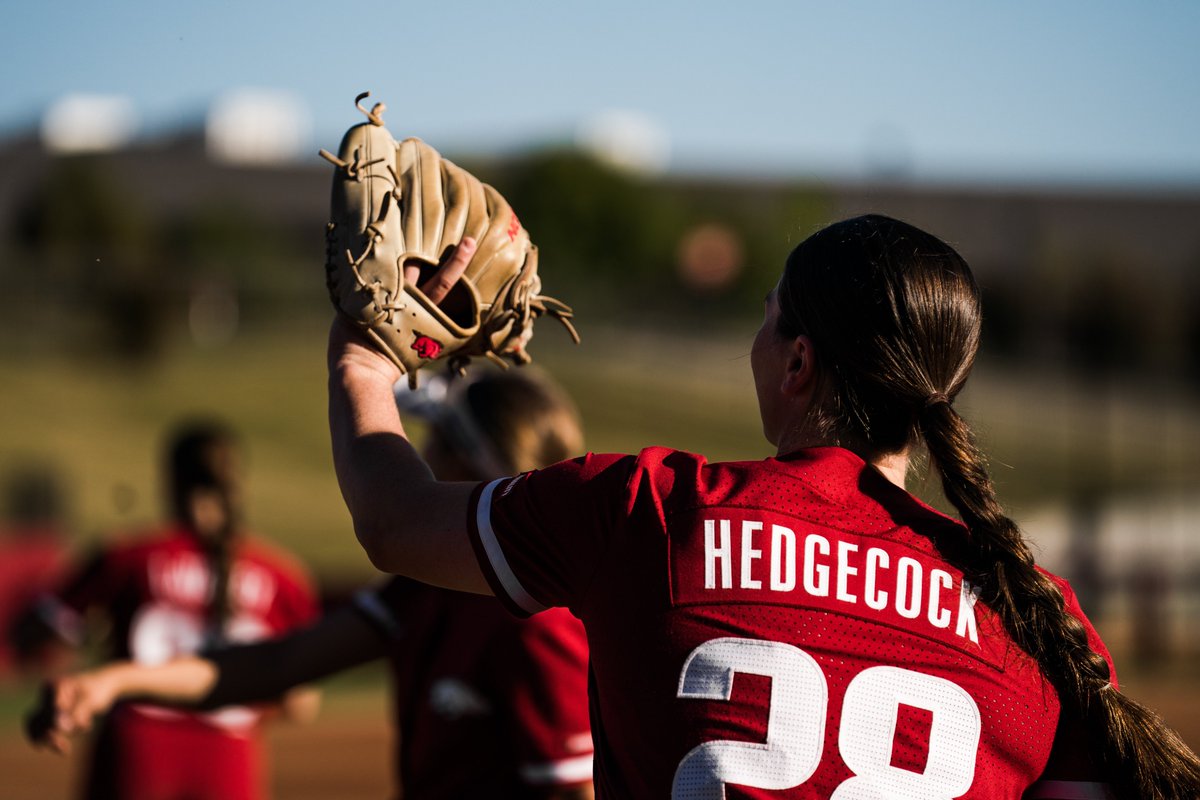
412, 272
67, 708
57, 742
52, 723
439, 284
77, 705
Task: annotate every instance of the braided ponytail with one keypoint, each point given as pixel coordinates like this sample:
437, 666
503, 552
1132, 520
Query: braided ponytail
1143, 756
895, 366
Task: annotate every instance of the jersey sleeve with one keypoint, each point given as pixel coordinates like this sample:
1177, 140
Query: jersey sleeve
1071, 772
541, 676
539, 537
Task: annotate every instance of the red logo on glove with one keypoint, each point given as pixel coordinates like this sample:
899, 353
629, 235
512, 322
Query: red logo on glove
514, 227
426, 347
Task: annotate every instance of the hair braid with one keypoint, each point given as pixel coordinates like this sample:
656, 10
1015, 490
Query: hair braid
1144, 757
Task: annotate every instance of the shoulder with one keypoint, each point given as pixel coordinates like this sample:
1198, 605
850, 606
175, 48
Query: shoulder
602, 489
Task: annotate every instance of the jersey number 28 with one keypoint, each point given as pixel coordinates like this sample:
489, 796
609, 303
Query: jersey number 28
796, 727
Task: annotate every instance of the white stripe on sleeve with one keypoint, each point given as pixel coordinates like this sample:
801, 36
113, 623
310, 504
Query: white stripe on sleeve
491, 546
569, 770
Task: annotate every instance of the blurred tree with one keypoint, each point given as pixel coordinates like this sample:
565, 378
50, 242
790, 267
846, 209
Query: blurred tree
88, 258
617, 235
1106, 323
1005, 318
601, 227
265, 266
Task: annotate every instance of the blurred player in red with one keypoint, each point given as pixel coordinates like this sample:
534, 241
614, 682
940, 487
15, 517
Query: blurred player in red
485, 704
800, 626
200, 581
34, 554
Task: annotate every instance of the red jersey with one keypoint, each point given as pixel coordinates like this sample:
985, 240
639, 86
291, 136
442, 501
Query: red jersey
774, 629
486, 704
156, 591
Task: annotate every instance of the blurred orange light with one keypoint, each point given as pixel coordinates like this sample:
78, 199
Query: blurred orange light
709, 257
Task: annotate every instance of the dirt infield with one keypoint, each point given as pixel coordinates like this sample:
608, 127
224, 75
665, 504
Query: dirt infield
345, 754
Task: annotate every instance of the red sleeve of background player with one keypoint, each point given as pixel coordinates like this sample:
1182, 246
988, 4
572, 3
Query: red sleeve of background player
539, 537
541, 677
1071, 773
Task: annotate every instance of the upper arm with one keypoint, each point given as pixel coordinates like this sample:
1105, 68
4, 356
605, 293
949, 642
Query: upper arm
428, 540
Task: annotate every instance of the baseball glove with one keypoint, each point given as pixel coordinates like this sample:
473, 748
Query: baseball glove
398, 211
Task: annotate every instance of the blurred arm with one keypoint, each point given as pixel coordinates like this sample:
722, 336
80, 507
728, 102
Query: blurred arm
249, 673
67, 706
266, 670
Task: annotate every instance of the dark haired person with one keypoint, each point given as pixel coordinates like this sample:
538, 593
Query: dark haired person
484, 704
800, 626
200, 580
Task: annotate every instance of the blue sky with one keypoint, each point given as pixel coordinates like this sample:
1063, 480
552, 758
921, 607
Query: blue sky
1064, 91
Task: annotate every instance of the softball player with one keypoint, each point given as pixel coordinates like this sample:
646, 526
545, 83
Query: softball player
484, 703
800, 626
198, 581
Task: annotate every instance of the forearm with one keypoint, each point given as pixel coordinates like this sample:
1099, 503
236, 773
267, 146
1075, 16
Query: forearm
378, 470
407, 522
266, 670
182, 680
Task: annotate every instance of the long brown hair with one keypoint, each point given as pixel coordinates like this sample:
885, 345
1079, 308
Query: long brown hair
201, 457
894, 315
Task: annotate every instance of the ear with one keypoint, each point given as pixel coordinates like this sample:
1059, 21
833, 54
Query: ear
800, 372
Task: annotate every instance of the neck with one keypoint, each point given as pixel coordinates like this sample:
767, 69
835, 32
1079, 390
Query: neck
801, 432
893, 466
